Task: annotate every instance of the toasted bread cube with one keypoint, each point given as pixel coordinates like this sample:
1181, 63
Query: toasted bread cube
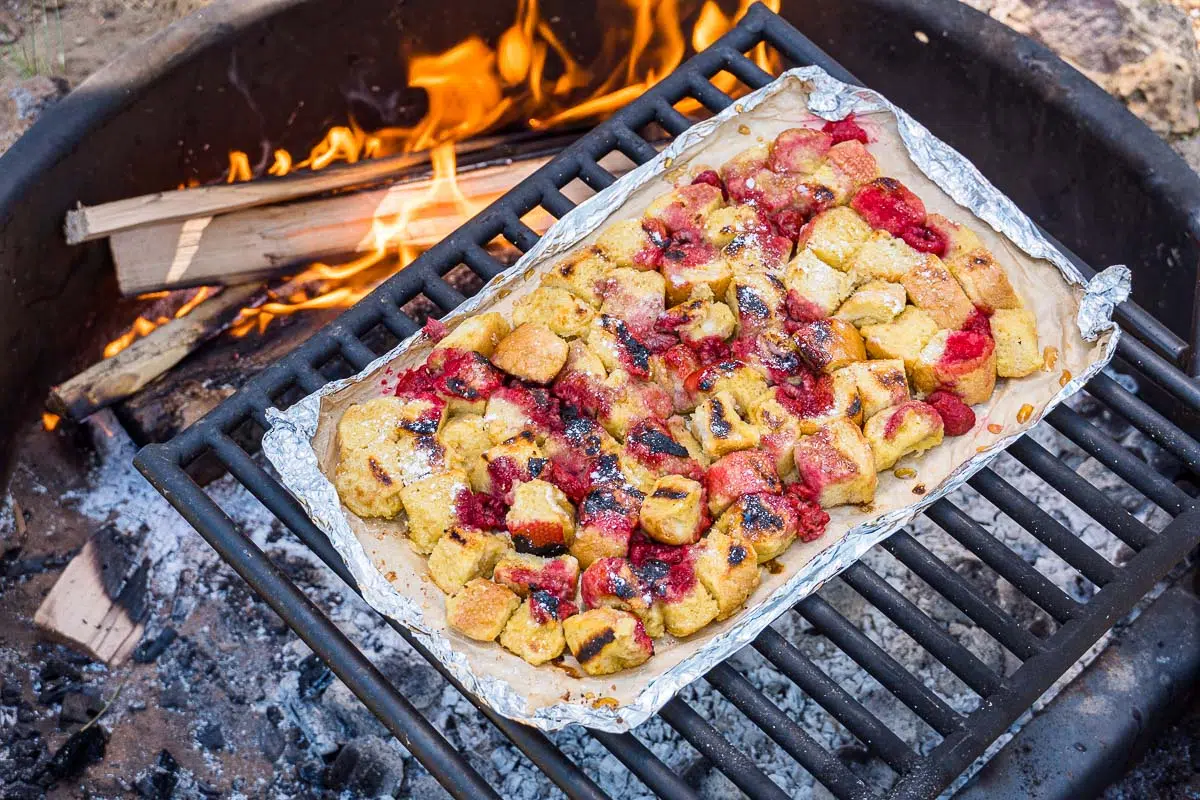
959, 239
835, 396
756, 253
724, 224
767, 521
673, 511
960, 362
511, 462
903, 338
717, 426
368, 482
512, 409
626, 244
617, 347
594, 542
911, 427
828, 345
799, 150
835, 235
581, 273
778, 427
743, 383
837, 465
1015, 332
632, 401
465, 439
431, 507
670, 370
605, 640
686, 207
463, 554
883, 257
757, 302
582, 359
727, 566
818, 287
532, 353
556, 308
741, 473
689, 608
525, 573
881, 383
636, 297
680, 432
481, 609
541, 519
480, 333
983, 280
534, 633
873, 303
686, 269
848, 165
612, 583
702, 317
932, 288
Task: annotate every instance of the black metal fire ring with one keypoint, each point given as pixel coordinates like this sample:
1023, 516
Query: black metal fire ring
1003, 699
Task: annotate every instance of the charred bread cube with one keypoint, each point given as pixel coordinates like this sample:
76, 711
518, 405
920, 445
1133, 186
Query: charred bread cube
670, 370
983, 280
727, 566
685, 208
757, 252
688, 267
650, 445
835, 235
630, 401
883, 257
541, 519
612, 583
617, 346
582, 274
430, 504
836, 465
932, 288
465, 438
799, 150
534, 631
881, 383
516, 408
605, 640
873, 303
902, 339
911, 427
740, 473
480, 609
959, 239
525, 573
594, 542
848, 165
1015, 333
828, 345
532, 353
680, 432
608, 516
479, 334
627, 244
701, 317
734, 377
778, 427
673, 511
635, 297
556, 308
814, 287
501, 467
718, 428
960, 362
463, 554
767, 521
757, 302
723, 225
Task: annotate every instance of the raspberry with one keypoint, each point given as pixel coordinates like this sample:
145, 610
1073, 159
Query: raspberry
979, 322
957, 416
924, 239
711, 177
435, 329
843, 130
888, 204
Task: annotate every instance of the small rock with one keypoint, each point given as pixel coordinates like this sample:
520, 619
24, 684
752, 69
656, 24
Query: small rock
33, 96
273, 743
55, 690
367, 767
211, 736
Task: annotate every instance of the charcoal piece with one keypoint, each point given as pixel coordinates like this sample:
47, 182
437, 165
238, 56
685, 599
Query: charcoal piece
274, 715
23, 791
174, 695
158, 782
367, 767
54, 691
55, 668
77, 708
315, 677
211, 736
82, 748
10, 692
148, 650
273, 743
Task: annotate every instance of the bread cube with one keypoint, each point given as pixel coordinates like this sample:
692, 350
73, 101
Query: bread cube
757, 302
799, 150
687, 267
1015, 333
911, 427
602, 535
480, 333
556, 308
532, 353
902, 339
959, 239
757, 252
724, 224
465, 439
727, 566
525, 573
814, 286
650, 446
883, 257
670, 370
635, 297
733, 377
834, 236
501, 467
836, 464
741, 473
848, 165
631, 401
828, 345
688, 606
512, 409
581, 273
481, 609
778, 427
627, 244
984, 281
960, 362
717, 426
534, 632
463, 554
873, 303
431, 507
767, 521
582, 359
673, 511
605, 640
701, 317
612, 340
612, 583
541, 519
887, 204
881, 383
685, 207
680, 432
932, 288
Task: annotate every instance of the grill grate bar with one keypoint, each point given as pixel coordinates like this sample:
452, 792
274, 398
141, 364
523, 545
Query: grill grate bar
927, 633
871, 657
1146, 420
656, 775
1161, 371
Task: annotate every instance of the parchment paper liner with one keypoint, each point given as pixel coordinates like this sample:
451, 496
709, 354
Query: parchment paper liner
1073, 317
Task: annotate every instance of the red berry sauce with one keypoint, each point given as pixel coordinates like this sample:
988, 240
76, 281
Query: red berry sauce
957, 417
887, 203
844, 130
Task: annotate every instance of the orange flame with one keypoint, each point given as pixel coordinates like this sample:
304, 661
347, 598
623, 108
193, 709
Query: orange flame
50, 421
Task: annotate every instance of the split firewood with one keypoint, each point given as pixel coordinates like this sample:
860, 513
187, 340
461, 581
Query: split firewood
116, 378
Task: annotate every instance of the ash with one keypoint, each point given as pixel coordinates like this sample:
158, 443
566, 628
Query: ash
222, 699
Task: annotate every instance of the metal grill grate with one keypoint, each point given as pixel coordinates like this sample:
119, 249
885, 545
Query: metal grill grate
1043, 658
